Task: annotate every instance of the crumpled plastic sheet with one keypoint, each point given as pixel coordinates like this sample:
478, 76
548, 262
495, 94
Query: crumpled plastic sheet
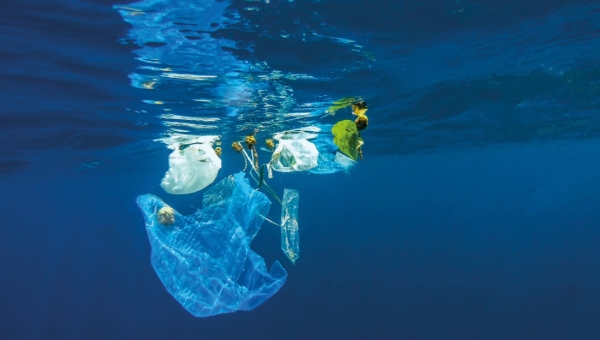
294, 155
204, 260
191, 169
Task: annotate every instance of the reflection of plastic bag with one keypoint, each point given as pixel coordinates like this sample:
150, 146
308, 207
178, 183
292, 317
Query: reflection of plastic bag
191, 169
204, 260
294, 155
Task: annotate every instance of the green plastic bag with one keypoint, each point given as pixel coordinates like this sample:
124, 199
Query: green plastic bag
345, 136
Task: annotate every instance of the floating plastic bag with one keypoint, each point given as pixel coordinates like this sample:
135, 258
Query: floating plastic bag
290, 238
294, 155
204, 260
345, 136
191, 169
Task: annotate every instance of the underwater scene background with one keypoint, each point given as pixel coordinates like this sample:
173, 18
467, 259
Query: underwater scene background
472, 216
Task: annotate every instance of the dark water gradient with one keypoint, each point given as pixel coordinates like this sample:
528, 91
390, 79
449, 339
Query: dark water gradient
491, 243
64, 81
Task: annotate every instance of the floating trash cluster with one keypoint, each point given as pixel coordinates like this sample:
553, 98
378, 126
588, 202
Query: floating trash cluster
204, 94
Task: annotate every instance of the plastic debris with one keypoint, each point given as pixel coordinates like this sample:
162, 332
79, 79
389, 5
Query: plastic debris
204, 260
332, 163
330, 159
345, 136
290, 238
344, 161
218, 192
191, 169
294, 155
251, 145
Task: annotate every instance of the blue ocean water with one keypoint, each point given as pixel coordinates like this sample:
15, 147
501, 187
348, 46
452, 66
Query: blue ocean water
472, 216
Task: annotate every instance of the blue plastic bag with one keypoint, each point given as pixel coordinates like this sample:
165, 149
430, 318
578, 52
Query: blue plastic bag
204, 260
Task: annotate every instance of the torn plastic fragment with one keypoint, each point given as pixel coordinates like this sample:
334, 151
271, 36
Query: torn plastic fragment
290, 238
191, 169
344, 161
330, 159
204, 260
294, 155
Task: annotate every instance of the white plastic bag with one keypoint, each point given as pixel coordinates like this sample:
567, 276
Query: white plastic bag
191, 169
294, 155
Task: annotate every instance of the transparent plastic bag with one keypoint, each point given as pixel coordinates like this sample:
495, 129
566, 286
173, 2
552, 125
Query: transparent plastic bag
294, 155
204, 260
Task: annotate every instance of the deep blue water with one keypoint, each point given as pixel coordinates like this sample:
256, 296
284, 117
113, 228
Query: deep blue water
473, 216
